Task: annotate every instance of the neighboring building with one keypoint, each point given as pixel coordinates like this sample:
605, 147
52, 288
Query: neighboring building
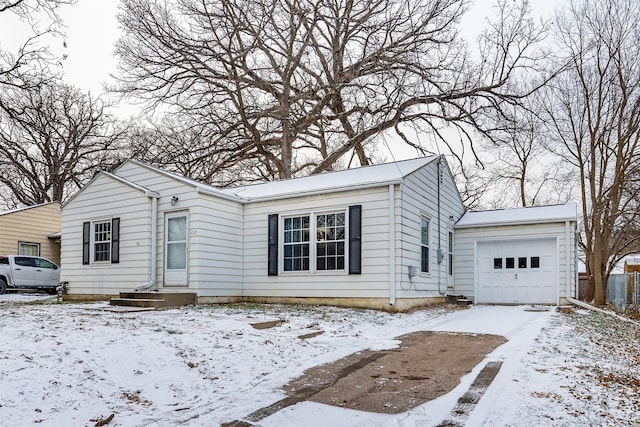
34, 230
378, 236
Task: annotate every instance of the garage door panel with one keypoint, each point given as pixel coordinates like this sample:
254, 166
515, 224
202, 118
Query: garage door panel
517, 271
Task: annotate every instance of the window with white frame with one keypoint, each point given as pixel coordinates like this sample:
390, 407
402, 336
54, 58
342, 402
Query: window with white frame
102, 241
330, 237
296, 243
450, 252
29, 249
425, 263
315, 242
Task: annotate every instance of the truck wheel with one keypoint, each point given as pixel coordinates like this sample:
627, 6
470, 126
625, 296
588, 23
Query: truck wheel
3, 286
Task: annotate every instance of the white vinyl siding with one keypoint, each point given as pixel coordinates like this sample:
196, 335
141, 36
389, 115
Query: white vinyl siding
215, 231
133, 207
371, 283
418, 199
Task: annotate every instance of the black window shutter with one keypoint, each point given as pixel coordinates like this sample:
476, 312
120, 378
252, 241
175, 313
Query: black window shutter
273, 245
86, 242
115, 240
355, 242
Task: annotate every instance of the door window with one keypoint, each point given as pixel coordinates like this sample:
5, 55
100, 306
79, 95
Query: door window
177, 243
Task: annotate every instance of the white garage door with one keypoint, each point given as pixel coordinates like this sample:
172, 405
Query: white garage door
517, 271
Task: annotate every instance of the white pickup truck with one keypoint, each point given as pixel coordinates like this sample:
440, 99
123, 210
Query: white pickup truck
28, 272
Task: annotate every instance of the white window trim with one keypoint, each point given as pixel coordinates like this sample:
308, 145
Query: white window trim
92, 241
31, 244
428, 245
450, 252
313, 243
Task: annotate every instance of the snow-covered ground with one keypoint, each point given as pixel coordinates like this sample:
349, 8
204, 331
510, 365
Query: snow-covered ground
76, 364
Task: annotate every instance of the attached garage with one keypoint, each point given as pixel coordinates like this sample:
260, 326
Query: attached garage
518, 271
516, 256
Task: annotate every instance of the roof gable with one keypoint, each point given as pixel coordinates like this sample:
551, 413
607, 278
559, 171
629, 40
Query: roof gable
128, 183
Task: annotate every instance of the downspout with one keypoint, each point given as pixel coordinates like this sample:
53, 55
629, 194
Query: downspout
152, 250
392, 244
439, 253
567, 258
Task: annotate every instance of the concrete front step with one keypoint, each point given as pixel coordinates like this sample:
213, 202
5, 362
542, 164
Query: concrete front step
458, 299
155, 299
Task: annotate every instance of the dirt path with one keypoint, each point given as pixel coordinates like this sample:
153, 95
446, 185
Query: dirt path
425, 366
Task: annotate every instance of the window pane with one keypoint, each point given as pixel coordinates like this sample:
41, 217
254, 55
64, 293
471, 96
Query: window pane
497, 263
510, 262
176, 256
424, 260
522, 262
296, 248
331, 232
31, 249
102, 241
424, 232
177, 229
102, 251
535, 262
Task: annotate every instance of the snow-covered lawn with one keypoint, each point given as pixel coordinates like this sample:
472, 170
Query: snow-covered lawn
76, 364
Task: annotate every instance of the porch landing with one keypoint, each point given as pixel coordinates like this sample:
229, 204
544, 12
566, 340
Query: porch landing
154, 299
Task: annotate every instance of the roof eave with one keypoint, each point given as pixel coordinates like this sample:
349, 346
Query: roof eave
328, 190
510, 223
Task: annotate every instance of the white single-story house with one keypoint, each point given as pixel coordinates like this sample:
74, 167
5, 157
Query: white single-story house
390, 236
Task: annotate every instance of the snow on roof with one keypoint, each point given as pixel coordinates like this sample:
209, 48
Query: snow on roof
527, 215
365, 176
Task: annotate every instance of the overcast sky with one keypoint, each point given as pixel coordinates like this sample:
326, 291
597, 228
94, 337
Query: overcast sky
92, 29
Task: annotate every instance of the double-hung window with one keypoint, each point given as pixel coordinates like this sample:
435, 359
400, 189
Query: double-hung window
330, 235
328, 241
27, 248
296, 243
102, 241
314, 242
424, 245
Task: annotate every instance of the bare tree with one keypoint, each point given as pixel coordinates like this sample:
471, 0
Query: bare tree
593, 111
524, 172
301, 85
59, 139
24, 67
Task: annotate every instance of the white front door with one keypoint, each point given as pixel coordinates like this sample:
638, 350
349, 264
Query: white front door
175, 265
522, 271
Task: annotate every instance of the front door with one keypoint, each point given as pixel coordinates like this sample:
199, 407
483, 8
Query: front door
175, 271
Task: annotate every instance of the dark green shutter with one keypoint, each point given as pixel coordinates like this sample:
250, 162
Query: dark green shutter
272, 254
115, 240
86, 242
355, 241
